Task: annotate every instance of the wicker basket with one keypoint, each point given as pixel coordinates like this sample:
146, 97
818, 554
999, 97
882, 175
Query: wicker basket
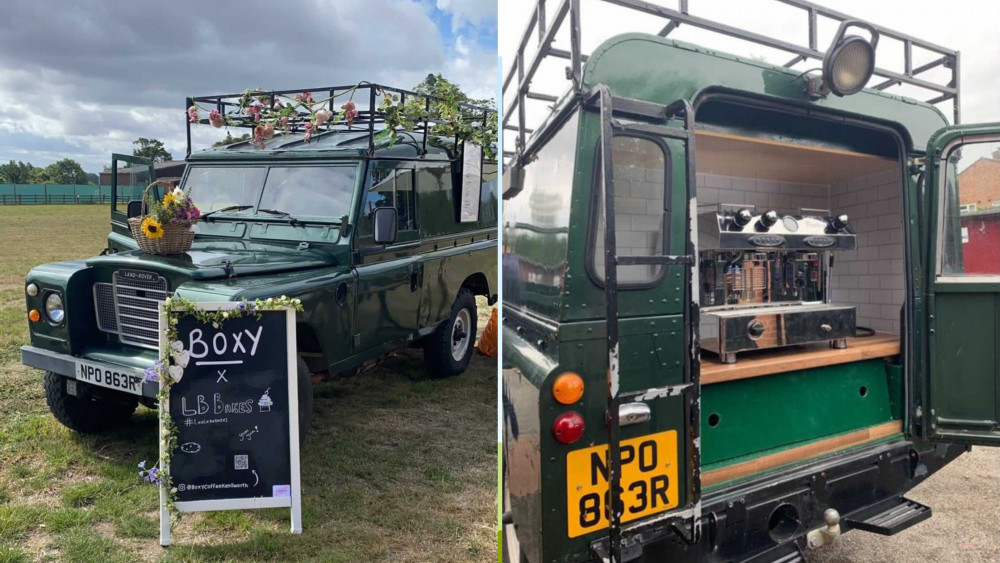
176, 239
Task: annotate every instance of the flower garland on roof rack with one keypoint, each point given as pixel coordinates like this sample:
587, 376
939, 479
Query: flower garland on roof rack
170, 369
444, 110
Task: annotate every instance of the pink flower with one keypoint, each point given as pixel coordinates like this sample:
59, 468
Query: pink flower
309, 131
305, 97
267, 131
192, 114
252, 111
322, 116
194, 213
350, 112
284, 122
215, 118
278, 105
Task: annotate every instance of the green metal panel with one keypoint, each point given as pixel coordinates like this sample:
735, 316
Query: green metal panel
959, 396
647, 67
760, 414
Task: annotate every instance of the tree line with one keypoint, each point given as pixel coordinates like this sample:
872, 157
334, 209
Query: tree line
69, 171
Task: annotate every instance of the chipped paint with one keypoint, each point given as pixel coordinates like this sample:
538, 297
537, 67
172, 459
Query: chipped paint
613, 370
661, 392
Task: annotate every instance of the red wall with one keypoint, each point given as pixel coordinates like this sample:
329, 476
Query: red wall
981, 255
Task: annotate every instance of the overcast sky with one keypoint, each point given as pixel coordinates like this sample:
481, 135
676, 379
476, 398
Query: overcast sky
969, 26
84, 79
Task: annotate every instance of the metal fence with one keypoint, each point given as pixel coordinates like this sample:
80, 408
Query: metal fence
41, 194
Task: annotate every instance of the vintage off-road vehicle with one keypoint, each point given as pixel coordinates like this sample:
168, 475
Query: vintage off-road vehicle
747, 306
368, 233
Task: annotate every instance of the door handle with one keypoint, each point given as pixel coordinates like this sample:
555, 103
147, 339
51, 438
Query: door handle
633, 413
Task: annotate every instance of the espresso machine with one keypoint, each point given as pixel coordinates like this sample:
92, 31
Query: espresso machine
765, 279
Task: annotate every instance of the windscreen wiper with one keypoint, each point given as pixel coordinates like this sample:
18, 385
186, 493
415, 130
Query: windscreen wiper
226, 209
285, 214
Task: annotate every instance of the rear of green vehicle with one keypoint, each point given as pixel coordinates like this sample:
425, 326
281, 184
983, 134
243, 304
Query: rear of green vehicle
758, 460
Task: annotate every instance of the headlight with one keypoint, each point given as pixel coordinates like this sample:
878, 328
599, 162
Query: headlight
54, 308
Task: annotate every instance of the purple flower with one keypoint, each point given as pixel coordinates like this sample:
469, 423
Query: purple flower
142, 464
153, 374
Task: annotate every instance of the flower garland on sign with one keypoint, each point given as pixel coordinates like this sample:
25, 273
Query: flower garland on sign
169, 369
273, 114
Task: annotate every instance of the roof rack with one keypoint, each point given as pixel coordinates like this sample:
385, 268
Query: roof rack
366, 95
548, 24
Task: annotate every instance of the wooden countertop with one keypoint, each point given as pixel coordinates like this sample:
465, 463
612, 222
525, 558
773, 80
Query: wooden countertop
792, 358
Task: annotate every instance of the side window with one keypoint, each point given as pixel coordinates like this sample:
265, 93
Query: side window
640, 175
970, 236
438, 200
390, 187
488, 194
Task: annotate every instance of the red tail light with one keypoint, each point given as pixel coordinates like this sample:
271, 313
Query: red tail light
568, 427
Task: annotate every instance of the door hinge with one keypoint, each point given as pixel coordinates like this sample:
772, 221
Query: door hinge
357, 340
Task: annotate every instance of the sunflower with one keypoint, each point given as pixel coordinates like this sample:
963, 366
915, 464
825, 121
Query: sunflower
168, 199
152, 228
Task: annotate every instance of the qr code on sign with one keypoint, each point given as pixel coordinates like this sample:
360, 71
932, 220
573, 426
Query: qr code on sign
241, 462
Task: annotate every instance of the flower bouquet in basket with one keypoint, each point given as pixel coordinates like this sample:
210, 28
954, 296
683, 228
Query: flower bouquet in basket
165, 226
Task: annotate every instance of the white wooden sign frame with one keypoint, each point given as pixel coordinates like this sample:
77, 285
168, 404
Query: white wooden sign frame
472, 182
294, 502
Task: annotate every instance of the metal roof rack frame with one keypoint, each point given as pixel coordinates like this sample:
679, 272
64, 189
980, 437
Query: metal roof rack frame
367, 119
547, 25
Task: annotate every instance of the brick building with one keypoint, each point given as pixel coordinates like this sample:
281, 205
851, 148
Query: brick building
979, 201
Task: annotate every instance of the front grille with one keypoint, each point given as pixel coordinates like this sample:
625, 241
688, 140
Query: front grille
128, 307
104, 303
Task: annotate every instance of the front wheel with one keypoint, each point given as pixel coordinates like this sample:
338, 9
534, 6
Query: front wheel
448, 350
82, 414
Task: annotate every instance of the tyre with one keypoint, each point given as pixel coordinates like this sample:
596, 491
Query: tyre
85, 415
305, 400
449, 348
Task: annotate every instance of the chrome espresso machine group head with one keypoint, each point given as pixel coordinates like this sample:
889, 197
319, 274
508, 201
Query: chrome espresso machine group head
765, 279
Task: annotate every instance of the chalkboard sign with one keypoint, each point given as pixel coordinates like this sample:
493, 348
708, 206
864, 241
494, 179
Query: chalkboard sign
236, 412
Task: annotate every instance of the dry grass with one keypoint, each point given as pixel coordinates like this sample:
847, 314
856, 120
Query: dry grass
397, 466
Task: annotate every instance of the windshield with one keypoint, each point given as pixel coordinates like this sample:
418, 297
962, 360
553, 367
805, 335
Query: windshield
300, 191
309, 191
217, 187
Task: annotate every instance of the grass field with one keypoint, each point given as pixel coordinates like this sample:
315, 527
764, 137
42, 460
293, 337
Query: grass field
397, 466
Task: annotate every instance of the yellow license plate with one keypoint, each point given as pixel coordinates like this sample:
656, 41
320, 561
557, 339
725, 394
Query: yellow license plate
648, 481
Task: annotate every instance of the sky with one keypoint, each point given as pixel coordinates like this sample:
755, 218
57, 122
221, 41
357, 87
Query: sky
968, 26
84, 79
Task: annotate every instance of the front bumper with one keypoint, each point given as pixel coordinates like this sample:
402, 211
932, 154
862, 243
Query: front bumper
65, 365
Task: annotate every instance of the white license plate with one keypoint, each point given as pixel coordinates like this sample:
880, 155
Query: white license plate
110, 377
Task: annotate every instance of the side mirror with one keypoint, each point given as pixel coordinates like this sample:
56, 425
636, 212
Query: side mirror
385, 225
134, 209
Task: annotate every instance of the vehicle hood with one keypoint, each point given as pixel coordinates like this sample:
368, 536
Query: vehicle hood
225, 259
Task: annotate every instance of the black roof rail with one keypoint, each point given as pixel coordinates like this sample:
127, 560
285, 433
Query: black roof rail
547, 24
365, 94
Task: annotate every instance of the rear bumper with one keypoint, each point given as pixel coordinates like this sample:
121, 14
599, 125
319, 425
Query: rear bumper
65, 365
737, 522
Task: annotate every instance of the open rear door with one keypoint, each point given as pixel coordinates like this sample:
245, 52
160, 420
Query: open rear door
961, 393
131, 175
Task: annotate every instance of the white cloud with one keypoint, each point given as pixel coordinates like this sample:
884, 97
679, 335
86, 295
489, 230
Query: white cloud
83, 81
469, 12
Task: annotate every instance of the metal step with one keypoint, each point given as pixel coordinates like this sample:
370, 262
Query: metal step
786, 553
900, 514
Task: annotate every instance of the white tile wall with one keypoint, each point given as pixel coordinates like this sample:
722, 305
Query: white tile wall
870, 277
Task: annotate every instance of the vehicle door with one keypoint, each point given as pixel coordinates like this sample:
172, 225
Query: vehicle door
641, 258
129, 177
389, 280
959, 399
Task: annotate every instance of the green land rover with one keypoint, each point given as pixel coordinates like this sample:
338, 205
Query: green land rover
378, 231
747, 306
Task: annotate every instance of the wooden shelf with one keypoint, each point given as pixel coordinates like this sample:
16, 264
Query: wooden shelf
781, 360
814, 449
